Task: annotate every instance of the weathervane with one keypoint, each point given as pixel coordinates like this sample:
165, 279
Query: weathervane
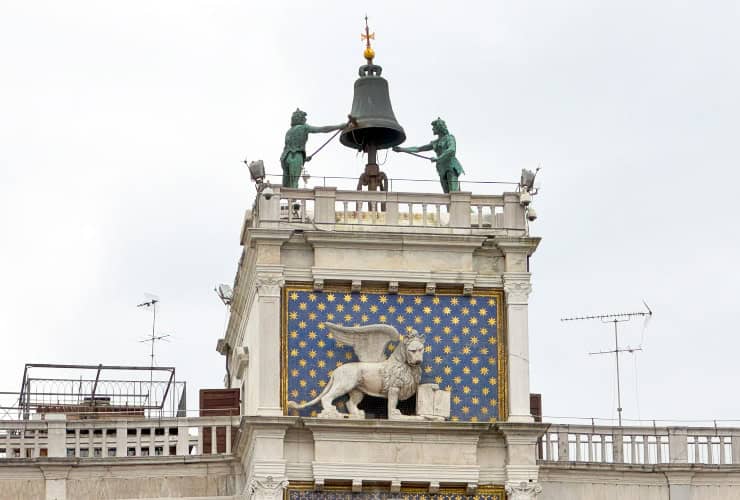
366, 37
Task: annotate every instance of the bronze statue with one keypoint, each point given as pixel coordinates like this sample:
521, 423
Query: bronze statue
448, 168
294, 152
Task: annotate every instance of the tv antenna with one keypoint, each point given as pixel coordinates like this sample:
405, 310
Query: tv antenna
616, 319
151, 303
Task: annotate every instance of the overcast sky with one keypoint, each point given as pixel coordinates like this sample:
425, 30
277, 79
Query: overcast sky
123, 126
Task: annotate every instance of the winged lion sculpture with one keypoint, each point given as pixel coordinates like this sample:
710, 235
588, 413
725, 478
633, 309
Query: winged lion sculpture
395, 378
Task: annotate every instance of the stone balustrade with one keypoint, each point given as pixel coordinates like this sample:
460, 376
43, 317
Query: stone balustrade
327, 206
56, 436
640, 445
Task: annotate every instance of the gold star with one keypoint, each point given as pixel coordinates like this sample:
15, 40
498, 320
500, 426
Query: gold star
313, 393
322, 383
466, 370
312, 297
312, 373
484, 410
436, 320
363, 298
456, 360
302, 325
446, 310
399, 299
302, 306
492, 381
456, 400
447, 349
456, 339
302, 344
484, 370
447, 330
294, 352
382, 318
482, 312
312, 335
347, 297
438, 360
473, 418
330, 297
427, 310
483, 331
321, 306
427, 329
437, 339
435, 300
293, 372
473, 320
453, 301
293, 315
321, 363
330, 354
475, 380
465, 410
437, 379
473, 301
383, 299
409, 309
329, 316
321, 343
491, 302
475, 360
400, 319
348, 355
427, 369
491, 321
483, 350
312, 353
302, 362
340, 308
474, 400
417, 320
373, 308
365, 318
303, 382
294, 393
293, 296
455, 320
428, 348
347, 318
466, 350
312, 316
447, 370
464, 311
485, 391
457, 379
492, 402
391, 309
466, 390
294, 334
473, 340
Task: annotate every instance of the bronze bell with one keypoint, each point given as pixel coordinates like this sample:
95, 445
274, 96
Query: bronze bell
376, 127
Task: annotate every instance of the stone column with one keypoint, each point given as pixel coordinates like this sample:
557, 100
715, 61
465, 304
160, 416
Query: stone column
268, 344
517, 288
266, 489
55, 477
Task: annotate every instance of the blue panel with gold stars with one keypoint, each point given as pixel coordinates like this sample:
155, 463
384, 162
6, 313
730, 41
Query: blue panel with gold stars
462, 352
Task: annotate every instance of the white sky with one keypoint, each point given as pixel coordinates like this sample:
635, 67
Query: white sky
123, 125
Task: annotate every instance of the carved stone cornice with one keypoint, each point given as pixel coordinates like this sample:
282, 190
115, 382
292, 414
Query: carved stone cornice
267, 489
517, 288
523, 490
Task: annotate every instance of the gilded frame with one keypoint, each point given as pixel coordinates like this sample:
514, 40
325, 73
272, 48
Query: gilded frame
501, 331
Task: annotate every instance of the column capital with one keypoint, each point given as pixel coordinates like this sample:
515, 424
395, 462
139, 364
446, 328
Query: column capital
267, 489
269, 285
517, 287
523, 490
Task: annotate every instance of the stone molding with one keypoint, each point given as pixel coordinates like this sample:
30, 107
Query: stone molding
517, 287
523, 490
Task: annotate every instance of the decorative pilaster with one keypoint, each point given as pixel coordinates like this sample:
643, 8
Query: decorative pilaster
523, 490
517, 288
267, 354
267, 489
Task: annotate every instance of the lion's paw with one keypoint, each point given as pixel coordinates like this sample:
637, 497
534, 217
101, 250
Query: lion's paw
359, 415
330, 413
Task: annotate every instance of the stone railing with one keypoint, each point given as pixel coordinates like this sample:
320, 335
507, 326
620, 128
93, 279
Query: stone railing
55, 436
329, 206
640, 445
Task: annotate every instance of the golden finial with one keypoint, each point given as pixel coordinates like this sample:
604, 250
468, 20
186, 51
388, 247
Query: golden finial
367, 36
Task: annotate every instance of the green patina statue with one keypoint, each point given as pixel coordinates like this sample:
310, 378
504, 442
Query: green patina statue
448, 168
294, 152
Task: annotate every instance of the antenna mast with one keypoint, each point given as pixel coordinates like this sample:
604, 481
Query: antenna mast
152, 303
616, 319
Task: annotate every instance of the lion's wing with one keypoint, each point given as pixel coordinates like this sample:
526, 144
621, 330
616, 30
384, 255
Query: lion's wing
368, 341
